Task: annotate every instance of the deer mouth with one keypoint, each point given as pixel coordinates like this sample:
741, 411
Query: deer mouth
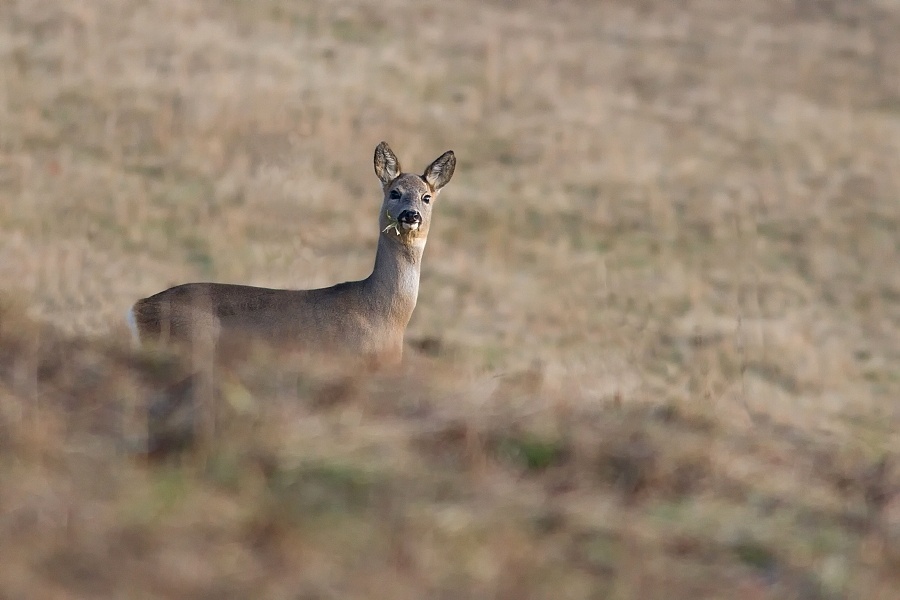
407, 222
410, 220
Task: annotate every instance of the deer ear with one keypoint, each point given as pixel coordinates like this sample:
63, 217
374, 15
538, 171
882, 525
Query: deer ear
441, 170
387, 167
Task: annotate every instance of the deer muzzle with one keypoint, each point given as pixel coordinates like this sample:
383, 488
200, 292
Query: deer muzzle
409, 220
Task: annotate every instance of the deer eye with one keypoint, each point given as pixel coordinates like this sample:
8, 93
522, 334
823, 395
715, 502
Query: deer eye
395, 194
426, 198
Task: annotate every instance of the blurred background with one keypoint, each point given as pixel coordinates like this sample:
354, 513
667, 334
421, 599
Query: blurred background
655, 352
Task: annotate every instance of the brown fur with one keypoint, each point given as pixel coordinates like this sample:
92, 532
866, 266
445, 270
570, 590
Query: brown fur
366, 318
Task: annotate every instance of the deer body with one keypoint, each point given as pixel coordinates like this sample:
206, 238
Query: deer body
367, 318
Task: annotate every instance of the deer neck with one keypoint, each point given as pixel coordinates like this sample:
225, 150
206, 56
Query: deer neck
393, 286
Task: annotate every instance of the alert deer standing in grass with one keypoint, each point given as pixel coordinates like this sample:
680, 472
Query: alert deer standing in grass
365, 318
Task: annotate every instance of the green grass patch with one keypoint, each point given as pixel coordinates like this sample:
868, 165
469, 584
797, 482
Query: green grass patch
321, 488
531, 452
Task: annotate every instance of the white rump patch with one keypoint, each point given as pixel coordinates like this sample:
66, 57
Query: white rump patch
132, 325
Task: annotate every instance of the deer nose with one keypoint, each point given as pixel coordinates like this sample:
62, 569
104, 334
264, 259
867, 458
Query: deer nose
410, 216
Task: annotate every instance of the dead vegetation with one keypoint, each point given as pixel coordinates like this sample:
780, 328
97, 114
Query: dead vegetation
655, 351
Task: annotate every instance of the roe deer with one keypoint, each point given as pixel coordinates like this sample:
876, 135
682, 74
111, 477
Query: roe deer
366, 318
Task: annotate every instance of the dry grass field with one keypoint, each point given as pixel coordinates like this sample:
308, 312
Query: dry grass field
656, 352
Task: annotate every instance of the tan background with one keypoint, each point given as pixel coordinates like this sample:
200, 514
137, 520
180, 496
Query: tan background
659, 206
